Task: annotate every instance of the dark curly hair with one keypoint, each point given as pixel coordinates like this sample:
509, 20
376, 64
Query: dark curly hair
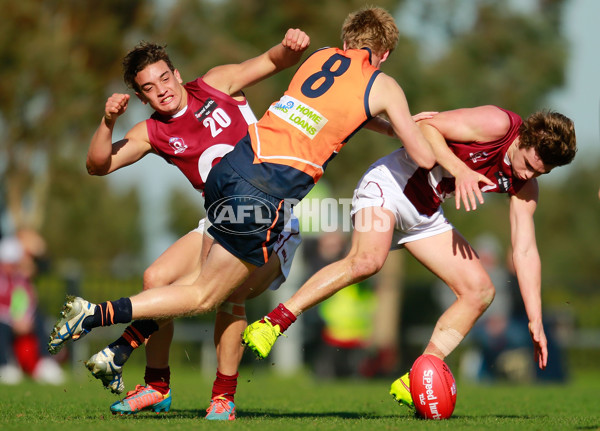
552, 135
141, 56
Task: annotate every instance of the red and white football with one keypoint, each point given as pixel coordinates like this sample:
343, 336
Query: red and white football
432, 387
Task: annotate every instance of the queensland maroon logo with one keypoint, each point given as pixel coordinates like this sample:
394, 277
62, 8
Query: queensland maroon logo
177, 145
479, 156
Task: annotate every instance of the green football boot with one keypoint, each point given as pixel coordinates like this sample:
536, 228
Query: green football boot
260, 336
400, 390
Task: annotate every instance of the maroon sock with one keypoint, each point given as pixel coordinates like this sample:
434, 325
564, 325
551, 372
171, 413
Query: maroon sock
281, 316
158, 378
225, 386
27, 352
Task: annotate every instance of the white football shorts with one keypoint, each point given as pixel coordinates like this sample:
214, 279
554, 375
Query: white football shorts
381, 187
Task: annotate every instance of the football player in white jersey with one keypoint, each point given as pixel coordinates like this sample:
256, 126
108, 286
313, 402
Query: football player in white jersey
397, 205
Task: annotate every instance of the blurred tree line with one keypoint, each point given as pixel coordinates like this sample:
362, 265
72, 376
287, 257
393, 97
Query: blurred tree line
62, 58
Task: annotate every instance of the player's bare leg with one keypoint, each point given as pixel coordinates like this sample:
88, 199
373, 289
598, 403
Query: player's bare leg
369, 250
179, 264
229, 325
450, 257
231, 317
370, 247
183, 257
220, 276
453, 260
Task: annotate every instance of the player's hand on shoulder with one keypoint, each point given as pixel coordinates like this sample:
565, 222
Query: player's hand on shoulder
115, 106
426, 115
296, 40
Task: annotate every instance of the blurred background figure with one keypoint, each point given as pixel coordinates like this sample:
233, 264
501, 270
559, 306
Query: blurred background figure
346, 335
319, 250
347, 332
384, 350
500, 335
23, 335
499, 342
499, 346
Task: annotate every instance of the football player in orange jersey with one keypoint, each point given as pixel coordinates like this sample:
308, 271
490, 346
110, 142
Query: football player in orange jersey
250, 192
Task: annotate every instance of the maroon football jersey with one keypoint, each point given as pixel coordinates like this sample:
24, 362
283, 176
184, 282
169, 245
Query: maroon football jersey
427, 189
196, 139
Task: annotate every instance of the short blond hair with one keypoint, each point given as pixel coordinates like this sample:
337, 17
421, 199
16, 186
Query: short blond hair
370, 27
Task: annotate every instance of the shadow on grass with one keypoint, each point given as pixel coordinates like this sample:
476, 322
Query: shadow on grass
249, 414
266, 414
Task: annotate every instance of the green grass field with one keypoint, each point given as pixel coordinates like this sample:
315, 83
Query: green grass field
267, 402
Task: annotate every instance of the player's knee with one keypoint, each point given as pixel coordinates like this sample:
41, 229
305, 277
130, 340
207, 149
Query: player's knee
205, 304
480, 293
154, 277
488, 295
363, 266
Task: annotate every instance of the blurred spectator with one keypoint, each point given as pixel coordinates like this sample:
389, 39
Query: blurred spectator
555, 323
339, 331
347, 331
22, 332
388, 285
317, 251
500, 333
34, 252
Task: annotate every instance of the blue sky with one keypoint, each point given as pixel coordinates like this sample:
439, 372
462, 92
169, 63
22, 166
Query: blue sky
580, 99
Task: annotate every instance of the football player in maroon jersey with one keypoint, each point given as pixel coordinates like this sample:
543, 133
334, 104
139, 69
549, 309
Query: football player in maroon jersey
192, 127
397, 205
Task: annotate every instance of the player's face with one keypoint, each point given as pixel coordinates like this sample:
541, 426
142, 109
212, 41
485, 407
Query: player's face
161, 88
527, 164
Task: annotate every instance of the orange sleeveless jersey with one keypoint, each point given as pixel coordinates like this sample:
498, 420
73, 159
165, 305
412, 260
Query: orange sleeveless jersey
326, 102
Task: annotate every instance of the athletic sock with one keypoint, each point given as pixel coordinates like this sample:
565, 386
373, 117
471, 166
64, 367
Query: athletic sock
281, 316
27, 352
158, 378
225, 386
132, 338
109, 313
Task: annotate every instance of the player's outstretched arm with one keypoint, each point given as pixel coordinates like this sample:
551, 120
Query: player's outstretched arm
232, 78
103, 157
527, 264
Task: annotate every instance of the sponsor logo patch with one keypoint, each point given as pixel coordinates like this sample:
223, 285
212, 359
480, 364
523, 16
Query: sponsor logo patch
209, 106
503, 181
301, 116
